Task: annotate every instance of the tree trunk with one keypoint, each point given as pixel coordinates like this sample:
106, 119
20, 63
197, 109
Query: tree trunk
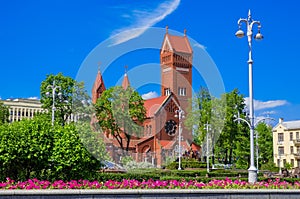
128, 141
230, 156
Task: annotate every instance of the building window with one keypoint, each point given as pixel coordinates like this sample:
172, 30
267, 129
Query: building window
150, 130
146, 129
297, 135
292, 162
291, 136
281, 150
284, 162
298, 149
167, 91
280, 137
292, 149
181, 91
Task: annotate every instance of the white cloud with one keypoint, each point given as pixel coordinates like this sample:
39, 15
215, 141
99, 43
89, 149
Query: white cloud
143, 19
150, 95
268, 113
35, 98
260, 105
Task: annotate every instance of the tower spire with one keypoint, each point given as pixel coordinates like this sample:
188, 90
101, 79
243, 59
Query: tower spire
98, 87
125, 83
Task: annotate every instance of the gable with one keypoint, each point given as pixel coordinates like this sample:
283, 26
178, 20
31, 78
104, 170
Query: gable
175, 43
155, 105
170, 105
166, 45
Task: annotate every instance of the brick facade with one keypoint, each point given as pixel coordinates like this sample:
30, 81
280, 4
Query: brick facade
155, 145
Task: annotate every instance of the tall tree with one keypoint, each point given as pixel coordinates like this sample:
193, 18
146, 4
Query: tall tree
235, 107
206, 119
199, 114
69, 97
265, 143
4, 113
224, 131
120, 113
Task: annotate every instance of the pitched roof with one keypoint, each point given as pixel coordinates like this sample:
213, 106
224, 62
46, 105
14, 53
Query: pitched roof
98, 84
98, 81
153, 105
178, 43
167, 144
291, 124
125, 82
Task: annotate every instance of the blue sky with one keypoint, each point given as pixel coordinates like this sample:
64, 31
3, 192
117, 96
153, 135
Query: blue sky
47, 37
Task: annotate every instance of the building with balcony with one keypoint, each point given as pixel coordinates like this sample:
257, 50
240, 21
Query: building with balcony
286, 143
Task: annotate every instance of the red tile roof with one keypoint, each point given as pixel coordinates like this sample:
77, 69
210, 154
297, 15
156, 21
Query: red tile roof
153, 105
125, 82
195, 147
179, 43
164, 143
97, 84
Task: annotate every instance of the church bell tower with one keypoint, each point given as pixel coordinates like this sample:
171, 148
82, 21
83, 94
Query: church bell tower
176, 57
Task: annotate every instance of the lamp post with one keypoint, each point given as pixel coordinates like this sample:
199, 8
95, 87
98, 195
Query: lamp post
280, 170
252, 178
207, 127
53, 87
180, 115
256, 134
257, 154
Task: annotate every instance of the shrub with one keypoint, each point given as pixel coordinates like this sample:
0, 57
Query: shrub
187, 163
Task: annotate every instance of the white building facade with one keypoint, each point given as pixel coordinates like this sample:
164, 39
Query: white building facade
286, 143
22, 108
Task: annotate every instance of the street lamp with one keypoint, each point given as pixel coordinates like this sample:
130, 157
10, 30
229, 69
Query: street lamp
53, 87
180, 115
252, 178
207, 128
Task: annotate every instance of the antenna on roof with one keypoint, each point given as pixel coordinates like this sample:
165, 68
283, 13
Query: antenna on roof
99, 64
167, 28
184, 32
126, 67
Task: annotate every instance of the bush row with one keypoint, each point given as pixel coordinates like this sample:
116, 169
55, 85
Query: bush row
187, 164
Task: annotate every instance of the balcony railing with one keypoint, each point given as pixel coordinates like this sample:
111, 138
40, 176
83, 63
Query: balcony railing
280, 143
296, 141
297, 155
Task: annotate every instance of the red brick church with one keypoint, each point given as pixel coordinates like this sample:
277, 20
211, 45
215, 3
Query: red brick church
160, 139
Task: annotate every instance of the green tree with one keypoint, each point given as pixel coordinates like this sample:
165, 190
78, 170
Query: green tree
265, 143
25, 147
4, 113
121, 112
242, 147
206, 110
34, 149
70, 97
225, 132
199, 114
233, 130
77, 152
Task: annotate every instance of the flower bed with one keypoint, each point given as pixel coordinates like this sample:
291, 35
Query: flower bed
148, 184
